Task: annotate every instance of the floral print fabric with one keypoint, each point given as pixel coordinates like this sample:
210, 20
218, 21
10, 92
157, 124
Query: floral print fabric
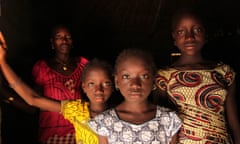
159, 130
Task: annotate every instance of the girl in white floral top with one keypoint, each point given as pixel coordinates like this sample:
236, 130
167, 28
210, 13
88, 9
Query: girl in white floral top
136, 120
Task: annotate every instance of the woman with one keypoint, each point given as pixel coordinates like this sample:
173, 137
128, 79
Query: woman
58, 78
97, 84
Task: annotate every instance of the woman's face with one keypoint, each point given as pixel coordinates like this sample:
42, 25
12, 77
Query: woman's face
134, 79
189, 35
97, 86
62, 41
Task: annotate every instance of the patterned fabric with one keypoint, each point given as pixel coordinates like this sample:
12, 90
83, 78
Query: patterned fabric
67, 139
156, 131
77, 112
200, 96
55, 87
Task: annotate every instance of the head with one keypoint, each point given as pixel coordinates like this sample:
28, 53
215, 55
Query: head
97, 81
61, 39
134, 74
189, 31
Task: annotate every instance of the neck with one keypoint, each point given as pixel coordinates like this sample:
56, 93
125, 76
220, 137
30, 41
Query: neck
62, 58
135, 108
97, 108
64, 62
189, 60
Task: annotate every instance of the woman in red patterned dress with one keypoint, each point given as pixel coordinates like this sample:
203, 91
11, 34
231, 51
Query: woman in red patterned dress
58, 78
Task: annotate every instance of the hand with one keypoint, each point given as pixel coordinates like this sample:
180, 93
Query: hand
3, 41
3, 47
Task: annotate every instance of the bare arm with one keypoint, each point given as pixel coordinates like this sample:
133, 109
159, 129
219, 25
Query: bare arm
22, 89
8, 95
232, 113
102, 140
174, 139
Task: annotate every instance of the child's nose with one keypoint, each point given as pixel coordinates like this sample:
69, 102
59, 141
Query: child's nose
136, 82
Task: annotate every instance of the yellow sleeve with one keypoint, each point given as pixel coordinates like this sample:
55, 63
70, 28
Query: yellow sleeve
75, 109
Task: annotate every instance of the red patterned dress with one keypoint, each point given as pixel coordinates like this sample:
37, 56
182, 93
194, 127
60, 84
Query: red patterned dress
200, 96
52, 124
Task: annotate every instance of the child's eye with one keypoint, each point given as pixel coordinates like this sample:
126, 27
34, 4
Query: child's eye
90, 84
180, 32
197, 30
125, 76
145, 76
107, 84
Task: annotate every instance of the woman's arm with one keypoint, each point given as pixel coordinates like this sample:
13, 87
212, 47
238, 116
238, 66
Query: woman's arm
21, 88
7, 95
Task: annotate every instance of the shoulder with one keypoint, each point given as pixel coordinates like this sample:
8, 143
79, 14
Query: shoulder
165, 112
40, 69
227, 72
166, 71
162, 109
72, 103
168, 115
224, 67
107, 117
103, 123
83, 60
76, 105
107, 113
40, 63
71, 108
163, 76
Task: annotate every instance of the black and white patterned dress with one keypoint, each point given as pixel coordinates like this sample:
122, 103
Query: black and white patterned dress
159, 130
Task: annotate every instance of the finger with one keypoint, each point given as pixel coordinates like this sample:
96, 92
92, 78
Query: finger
2, 40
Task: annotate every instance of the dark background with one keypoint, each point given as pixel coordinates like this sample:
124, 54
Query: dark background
102, 28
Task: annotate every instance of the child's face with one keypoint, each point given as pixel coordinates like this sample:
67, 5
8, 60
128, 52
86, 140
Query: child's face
134, 79
189, 35
97, 86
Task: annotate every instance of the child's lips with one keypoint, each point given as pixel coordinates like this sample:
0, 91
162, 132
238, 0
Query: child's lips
99, 98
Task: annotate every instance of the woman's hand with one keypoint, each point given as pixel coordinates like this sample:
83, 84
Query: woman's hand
3, 47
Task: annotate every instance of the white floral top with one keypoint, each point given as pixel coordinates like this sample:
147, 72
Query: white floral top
159, 130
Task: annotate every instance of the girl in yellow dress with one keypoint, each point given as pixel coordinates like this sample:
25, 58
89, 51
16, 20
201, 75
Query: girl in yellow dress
97, 84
